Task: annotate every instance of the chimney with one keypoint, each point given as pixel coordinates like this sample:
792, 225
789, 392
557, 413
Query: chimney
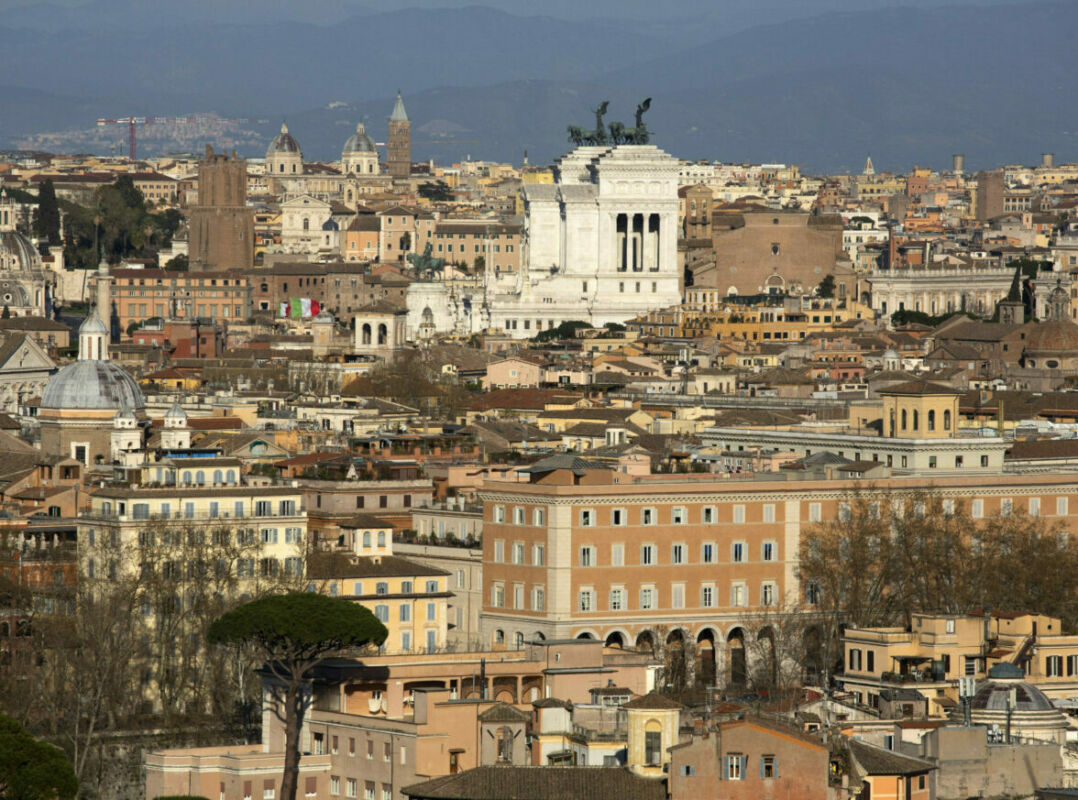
1048, 160
958, 163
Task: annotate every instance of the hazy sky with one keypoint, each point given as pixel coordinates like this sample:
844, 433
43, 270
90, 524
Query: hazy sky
562, 8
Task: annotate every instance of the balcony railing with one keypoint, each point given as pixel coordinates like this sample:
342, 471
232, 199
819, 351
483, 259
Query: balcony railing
112, 516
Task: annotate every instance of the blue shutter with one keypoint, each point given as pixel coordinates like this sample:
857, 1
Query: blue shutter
761, 768
744, 767
775, 767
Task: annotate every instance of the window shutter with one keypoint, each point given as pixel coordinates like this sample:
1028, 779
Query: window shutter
722, 772
761, 769
312, 785
775, 766
744, 766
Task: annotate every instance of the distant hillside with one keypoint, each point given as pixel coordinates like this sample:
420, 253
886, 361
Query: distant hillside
904, 85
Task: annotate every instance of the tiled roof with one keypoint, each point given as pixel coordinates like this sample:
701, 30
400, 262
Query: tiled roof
539, 783
654, 701
877, 761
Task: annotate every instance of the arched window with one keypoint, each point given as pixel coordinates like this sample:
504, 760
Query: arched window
947, 420
366, 538
366, 332
218, 477
306, 224
903, 419
931, 419
499, 636
383, 334
281, 169
187, 476
916, 419
200, 477
381, 538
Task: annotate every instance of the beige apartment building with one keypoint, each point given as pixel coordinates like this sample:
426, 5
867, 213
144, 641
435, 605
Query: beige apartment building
385, 722
685, 561
937, 650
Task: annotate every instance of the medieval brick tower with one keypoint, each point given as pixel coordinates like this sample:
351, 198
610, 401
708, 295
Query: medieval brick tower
222, 227
399, 143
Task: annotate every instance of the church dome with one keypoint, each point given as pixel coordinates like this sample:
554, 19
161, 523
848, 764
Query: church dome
993, 695
1053, 336
93, 324
91, 384
359, 142
176, 412
283, 142
17, 252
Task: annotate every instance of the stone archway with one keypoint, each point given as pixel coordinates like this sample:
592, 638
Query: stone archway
679, 660
645, 641
738, 675
707, 658
615, 639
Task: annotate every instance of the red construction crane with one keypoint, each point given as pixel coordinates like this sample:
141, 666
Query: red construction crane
131, 122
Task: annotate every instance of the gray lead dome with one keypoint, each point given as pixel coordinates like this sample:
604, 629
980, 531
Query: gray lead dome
359, 142
92, 385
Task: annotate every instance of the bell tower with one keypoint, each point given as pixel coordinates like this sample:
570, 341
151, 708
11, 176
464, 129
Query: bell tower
399, 143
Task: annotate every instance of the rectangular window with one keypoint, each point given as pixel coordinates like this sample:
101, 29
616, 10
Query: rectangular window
538, 599
677, 595
538, 517
334, 785
678, 516
976, 509
853, 659
1005, 507
677, 554
351, 787
618, 517
844, 512
432, 608
587, 556
767, 551
648, 516
814, 512
709, 515
617, 599
739, 514
538, 555
499, 551
653, 741
707, 596
587, 518
647, 555
738, 595
737, 552
769, 512
586, 600
707, 552
497, 595
768, 768
518, 552
1034, 506
734, 767
1061, 507
617, 555
647, 598
767, 594
1053, 666
518, 516
499, 513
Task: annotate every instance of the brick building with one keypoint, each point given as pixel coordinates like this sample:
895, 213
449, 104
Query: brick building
142, 294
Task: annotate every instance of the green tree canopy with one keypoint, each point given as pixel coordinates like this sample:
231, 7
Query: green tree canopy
47, 219
826, 287
567, 330
32, 770
437, 191
294, 633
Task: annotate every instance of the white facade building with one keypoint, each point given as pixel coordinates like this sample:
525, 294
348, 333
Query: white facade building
600, 243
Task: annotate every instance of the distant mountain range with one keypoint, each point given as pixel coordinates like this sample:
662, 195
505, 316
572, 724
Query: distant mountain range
909, 85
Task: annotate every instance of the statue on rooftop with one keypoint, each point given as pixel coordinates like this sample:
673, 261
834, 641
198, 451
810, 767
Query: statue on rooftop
619, 134
579, 136
426, 264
